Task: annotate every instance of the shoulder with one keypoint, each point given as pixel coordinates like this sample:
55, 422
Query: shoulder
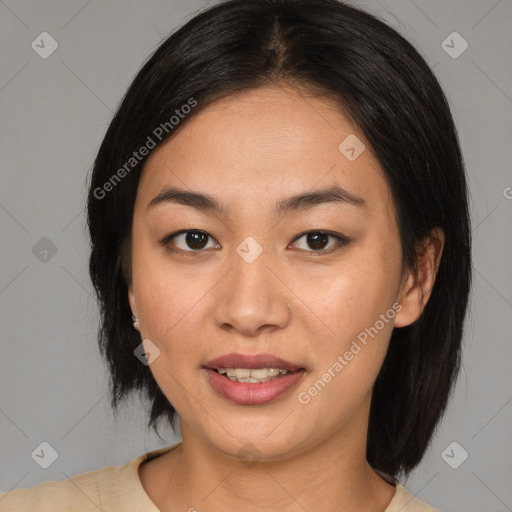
404, 501
111, 488
82, 490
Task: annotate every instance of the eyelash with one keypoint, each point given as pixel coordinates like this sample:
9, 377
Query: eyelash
341, 241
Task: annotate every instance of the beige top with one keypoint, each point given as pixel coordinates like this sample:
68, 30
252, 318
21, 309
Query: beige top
119, 489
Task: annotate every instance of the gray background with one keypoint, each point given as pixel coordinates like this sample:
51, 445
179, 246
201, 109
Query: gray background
54, 113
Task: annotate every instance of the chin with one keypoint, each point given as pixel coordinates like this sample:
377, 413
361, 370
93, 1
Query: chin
252, 444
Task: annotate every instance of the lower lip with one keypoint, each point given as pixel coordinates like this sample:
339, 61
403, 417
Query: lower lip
249, 393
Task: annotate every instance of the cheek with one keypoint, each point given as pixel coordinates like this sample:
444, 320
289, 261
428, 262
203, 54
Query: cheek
347, 362
168, 301
352, 297
169, 305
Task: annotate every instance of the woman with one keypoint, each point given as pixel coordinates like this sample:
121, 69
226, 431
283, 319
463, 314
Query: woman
281, 252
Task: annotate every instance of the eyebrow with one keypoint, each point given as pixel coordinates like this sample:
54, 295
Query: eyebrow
300, 202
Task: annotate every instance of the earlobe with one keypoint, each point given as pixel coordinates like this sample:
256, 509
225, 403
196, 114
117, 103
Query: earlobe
418, 286
133, 306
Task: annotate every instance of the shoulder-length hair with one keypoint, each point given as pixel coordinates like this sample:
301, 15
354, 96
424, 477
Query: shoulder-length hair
385, 87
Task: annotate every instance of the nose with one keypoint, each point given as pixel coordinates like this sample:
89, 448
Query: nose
251, 299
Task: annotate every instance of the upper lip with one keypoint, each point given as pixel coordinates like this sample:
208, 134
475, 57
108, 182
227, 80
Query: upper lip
255, 361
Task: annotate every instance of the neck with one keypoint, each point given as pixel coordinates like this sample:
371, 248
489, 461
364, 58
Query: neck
332, 475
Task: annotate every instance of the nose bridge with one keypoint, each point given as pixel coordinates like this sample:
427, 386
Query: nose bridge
250, 269
251, 297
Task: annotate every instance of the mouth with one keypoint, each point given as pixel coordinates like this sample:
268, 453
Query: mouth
252, 379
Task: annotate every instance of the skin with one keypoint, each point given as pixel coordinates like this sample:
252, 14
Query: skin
306, 307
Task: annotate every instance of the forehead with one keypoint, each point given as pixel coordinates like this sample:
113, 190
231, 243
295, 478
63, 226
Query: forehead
265, 143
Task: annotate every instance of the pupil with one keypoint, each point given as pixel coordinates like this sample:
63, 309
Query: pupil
196, 239
317, 240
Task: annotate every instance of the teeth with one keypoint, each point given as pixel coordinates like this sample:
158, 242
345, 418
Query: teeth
252, 375
242, 373
257, 373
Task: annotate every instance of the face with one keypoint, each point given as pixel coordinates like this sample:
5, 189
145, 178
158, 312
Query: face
316, 282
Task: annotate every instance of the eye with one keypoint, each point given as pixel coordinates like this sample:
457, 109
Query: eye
319, 240
191, 240
194, 241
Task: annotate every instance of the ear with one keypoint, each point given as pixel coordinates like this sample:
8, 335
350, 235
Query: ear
126, 268
416, 289
131, 299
